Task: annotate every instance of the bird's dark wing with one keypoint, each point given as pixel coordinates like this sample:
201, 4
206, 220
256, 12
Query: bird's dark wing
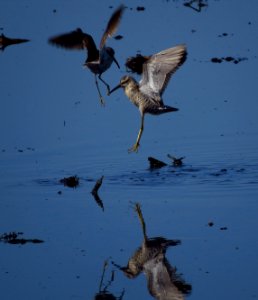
77, 40
112, 25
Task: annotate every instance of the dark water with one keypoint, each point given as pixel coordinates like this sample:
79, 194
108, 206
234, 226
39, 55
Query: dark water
52, 126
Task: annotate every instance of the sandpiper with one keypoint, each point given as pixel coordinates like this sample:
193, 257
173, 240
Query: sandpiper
147, 94
98, 60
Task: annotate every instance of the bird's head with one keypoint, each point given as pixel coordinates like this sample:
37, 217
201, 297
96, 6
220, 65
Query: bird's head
124, 81
111, 53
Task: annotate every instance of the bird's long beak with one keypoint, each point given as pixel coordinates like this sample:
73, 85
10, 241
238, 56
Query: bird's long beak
116, 62
115, 88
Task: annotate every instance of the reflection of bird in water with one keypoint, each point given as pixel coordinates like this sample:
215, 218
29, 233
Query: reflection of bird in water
5, 41
163, 282
103, 293
156, 73
98, 60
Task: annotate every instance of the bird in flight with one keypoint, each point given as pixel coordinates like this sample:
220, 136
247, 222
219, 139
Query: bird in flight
156, 72
98, 60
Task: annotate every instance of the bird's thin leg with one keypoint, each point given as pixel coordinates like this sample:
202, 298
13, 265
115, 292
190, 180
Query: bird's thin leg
137, 144
102, 275
140, 216
102, 101
108, 87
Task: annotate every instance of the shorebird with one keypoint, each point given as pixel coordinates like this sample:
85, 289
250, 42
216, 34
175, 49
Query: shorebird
98, 60
147, 94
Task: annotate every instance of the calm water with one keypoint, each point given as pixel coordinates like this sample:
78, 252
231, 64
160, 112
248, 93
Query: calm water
52, 126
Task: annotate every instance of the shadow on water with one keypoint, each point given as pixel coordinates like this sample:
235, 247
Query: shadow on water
163, 280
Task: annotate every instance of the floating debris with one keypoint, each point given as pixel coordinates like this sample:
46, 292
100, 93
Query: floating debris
155, 163
177, 162
72, 181
196, 5
95, 194
221, 172
224, 34
210, 224
118, 37
140, 8
97, 185
5, 41
223, 228
98, 200
13, 238
228, 59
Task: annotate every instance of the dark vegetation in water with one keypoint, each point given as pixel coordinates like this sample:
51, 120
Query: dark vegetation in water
177, 162
228, 59
225, 34
118, 37
223, 228
5, 41
15, 239
196, 5
140, 8
220, 172
157, 164
95, 194
72, 181
21, 150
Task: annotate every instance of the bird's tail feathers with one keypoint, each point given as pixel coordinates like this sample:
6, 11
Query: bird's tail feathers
166, 108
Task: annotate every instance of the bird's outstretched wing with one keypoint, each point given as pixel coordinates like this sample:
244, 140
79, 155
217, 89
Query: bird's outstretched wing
112, 25
76, 40
158, 70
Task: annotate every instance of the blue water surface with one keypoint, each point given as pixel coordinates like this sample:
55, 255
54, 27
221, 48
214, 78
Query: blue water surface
52, 126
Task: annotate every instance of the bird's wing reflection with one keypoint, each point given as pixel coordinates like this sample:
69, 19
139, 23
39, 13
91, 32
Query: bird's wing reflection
150, 258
